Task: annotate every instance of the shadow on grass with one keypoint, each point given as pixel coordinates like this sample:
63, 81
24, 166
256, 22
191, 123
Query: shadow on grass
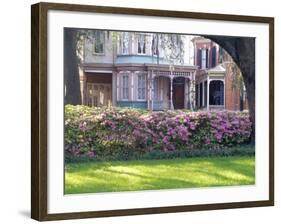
159, 174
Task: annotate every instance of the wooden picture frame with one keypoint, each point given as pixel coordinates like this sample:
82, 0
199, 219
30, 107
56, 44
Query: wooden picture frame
39, 109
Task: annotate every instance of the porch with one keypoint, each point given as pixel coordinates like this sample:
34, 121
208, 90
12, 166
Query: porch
170, 87
210, 89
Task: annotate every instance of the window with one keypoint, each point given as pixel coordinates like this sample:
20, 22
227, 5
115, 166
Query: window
141, 44
141, 87
214, 56
199, 58
155, 45
216, 93
99, 42
207, 58
125, 87
203, 58
125, 43
221, 55
205, 92
155, 88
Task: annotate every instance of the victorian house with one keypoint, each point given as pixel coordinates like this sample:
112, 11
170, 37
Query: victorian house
126, 69
219, 84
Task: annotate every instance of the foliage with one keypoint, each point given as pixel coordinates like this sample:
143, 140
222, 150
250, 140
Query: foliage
244, 150
124, 133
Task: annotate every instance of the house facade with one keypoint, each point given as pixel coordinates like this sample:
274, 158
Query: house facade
219, 84
126, 70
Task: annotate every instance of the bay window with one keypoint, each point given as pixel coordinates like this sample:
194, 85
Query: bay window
125, 87
141, 87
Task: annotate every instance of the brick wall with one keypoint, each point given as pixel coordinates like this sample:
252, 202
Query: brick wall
232, 88
232, 91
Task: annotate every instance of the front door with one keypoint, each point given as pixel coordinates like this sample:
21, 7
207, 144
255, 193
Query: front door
178, 93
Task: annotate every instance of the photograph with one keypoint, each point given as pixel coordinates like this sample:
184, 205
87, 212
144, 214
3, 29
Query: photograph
157, 111
144, 111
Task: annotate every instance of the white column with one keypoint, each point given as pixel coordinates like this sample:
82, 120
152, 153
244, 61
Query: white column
208, 93
203, 93
149, 83
114, 88
223, 94
161, 84
132, 85
152, 91
148, 90
118, 86
191, 91
171, 93
189, 94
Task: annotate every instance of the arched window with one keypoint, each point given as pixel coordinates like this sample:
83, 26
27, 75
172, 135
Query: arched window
216, 94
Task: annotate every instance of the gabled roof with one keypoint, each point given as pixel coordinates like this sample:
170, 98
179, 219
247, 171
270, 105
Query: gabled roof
218, 69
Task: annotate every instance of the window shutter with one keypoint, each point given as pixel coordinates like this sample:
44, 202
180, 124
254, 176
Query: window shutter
214, 56
207, 58
199, 57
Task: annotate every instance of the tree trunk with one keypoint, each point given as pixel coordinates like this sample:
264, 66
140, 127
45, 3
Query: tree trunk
242, 51
247, 66
71, 72
250, 89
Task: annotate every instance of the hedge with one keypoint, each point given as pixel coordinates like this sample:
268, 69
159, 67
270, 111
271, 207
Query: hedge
116, 133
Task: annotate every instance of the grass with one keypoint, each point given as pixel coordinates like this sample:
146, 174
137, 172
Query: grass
92, 177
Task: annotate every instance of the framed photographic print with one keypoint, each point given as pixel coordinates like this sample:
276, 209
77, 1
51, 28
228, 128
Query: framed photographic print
139, 111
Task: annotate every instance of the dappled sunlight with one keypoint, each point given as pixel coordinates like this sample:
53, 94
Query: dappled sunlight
159, 174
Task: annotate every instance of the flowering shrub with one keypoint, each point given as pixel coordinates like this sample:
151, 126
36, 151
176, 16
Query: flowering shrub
119, 132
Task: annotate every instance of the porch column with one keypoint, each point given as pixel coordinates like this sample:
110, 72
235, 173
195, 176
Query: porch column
223, 94
149, 91
171, 93
152, 90
208, 92
114, 88
191, 91
118, 87
203, 94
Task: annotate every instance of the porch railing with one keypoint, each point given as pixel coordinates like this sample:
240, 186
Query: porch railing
161, 105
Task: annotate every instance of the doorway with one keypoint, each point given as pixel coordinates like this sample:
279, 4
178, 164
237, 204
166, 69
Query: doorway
178, 92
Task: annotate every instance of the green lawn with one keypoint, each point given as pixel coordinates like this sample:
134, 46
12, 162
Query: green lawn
90, 177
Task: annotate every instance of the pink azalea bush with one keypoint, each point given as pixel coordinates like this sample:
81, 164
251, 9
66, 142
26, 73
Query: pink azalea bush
100, 132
